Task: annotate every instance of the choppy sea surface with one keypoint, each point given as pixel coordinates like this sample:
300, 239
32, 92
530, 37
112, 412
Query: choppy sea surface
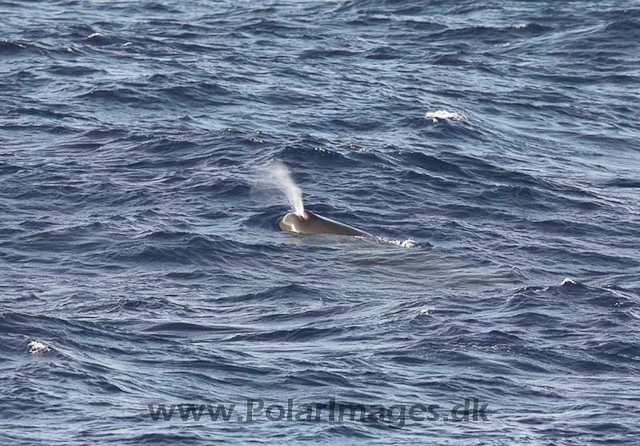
141, 262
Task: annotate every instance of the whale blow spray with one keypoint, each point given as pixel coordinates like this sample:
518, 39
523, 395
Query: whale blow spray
282, 178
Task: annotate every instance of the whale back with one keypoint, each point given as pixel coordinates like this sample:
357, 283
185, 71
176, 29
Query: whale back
312, 223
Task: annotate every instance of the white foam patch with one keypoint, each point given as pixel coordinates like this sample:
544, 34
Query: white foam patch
443, 114
568, 281
408, 243
38, 348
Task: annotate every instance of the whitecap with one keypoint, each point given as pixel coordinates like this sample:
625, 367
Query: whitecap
38, 348
408, 243
443, 114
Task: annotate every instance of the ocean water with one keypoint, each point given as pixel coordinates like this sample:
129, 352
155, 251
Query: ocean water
141, 263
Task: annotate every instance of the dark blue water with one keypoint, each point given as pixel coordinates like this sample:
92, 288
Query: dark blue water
139, 242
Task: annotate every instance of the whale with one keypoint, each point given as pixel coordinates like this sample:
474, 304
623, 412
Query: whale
312, 223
